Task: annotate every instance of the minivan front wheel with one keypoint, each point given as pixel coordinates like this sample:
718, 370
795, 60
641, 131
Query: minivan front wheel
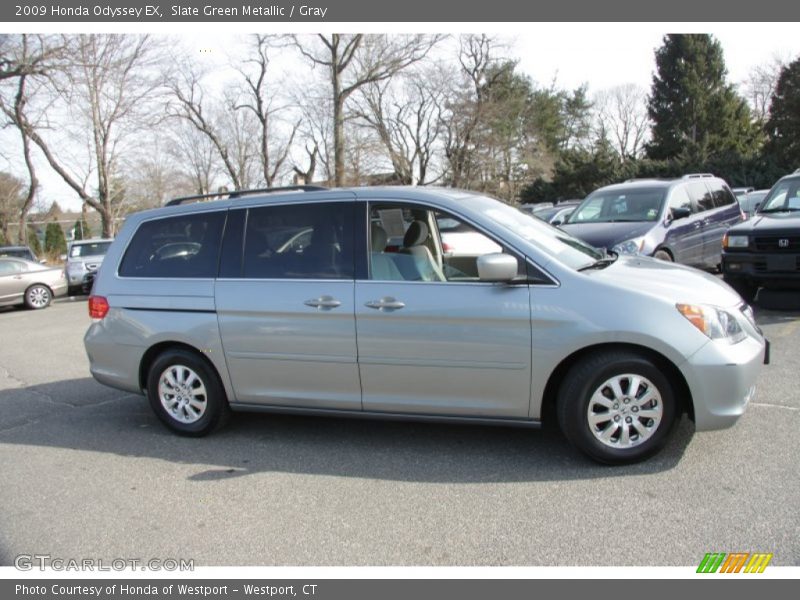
617, 407
186, 394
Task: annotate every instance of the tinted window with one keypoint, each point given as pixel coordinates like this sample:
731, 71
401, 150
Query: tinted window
722, 195
301, 241
183, 246
701, 195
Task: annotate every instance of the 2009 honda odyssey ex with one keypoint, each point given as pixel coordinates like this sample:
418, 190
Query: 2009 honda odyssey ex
344, 302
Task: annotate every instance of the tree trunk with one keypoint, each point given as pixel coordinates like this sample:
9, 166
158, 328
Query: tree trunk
338, 129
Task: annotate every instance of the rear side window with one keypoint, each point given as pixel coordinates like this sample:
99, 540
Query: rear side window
300, 241
185, 246
702, 195
722, 195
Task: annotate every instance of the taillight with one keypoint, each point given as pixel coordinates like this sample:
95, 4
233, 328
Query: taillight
98, 307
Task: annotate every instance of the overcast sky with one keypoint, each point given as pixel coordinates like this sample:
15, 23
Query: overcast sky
601, 55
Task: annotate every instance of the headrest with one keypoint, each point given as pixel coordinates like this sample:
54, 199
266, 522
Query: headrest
379, 238
416, 234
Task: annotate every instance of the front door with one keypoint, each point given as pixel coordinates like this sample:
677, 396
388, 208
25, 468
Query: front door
432, 338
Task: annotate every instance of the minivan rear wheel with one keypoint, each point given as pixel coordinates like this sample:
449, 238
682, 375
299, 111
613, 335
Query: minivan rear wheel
186, 393
617, 407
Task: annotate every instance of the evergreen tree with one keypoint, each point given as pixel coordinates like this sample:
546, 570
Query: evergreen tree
696, 114
81, 230
33, 241
783, 125
54, 241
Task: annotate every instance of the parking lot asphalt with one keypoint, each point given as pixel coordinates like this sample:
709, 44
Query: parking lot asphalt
88, 472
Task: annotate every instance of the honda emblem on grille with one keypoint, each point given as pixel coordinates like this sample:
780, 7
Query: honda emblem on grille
783, 243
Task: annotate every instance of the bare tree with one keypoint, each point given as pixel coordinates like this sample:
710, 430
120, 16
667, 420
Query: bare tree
257, 99
11, 197
25, 59
463, 109
110, 82
760, 86
622, 113
38, 59
196, 155
405, 117
316, 133
356, 60
190, 104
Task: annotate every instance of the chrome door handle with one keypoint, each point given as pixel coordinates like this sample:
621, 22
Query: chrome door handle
385, 303
323, 302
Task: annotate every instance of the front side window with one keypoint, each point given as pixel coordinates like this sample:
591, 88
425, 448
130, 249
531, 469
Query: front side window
185, 246
785, 196
680, 199
300, 241
415, 243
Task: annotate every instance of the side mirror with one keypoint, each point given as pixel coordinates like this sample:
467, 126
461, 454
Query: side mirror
556, 223
497, 267
680, 213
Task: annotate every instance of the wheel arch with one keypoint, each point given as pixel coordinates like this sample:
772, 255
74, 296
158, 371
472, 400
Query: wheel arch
671, 371
154, 351
666, 249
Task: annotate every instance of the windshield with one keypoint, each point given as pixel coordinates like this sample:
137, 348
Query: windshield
785, 196
89, 249
554, 242
613, 206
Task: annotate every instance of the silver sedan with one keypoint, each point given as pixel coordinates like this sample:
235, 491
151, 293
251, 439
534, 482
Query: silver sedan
30, 283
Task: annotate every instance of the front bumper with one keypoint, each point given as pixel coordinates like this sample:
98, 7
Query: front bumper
769, 269
722, 380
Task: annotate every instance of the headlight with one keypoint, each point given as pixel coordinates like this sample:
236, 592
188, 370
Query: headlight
735, 241
75, 268
633, 246
716, 323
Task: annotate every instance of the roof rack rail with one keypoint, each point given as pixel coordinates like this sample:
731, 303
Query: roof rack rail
240, 193
697, 175
635, 179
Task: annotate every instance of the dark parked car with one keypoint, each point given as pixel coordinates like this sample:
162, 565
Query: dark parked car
765, 250
681, 220
558, 213
750, 201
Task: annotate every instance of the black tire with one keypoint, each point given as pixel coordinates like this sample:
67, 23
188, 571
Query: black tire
744, 288
579, 395
662, 254
196, 389
38, 296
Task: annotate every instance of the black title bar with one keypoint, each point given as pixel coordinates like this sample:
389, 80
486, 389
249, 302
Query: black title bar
363, 11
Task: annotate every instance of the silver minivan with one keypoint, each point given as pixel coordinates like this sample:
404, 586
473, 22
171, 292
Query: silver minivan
343, 302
